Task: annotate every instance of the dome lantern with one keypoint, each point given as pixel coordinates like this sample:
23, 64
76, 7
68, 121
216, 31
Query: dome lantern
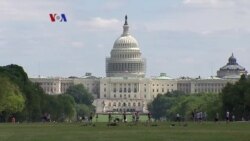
125, 27
232, 60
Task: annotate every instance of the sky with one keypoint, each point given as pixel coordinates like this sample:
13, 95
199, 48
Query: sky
177, 37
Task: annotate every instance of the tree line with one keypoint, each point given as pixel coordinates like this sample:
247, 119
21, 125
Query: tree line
234, 98
27, 102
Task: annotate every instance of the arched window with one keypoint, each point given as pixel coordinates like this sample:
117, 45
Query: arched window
129, 104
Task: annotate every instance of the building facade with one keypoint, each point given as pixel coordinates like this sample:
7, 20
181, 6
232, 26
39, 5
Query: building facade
198, 85
58, 85
125, 88
53, 85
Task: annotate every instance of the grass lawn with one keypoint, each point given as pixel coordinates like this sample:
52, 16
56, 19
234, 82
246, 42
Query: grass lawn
237, 131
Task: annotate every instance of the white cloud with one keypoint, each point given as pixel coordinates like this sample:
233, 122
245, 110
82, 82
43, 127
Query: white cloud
26, 32
217, 3
113, 4
100, 46
206, 21
77, 44
189, 60
210, 3
99, 23
28, 10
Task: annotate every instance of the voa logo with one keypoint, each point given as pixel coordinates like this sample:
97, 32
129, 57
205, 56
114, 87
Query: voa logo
57, 17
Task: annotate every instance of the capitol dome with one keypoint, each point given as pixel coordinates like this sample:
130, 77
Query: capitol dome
126, 41
125, 60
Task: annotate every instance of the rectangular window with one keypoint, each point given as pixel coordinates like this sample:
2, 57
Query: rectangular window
135, 90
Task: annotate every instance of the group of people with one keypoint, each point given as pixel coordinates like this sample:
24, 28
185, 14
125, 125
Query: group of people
135, 117
199, 116
228, 117
202, 116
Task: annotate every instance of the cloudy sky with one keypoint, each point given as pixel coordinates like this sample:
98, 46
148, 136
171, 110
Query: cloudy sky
178, 37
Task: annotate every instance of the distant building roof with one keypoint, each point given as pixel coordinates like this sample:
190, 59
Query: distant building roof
163, 76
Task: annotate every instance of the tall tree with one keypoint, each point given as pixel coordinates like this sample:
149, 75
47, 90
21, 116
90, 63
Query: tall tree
11, 99
80, 94
170, 104
236, 98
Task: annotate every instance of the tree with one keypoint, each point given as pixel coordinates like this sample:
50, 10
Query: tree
170, 104
80, 94
236, 98
83, 110
159, 106
67, 104
11, 99
18, 95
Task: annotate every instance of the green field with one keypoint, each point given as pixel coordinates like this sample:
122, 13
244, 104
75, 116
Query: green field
237, 131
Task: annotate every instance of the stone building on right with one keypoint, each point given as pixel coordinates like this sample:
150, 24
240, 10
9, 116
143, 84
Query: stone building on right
232, 70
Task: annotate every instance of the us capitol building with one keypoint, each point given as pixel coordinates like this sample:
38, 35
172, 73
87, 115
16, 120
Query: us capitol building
125, 87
